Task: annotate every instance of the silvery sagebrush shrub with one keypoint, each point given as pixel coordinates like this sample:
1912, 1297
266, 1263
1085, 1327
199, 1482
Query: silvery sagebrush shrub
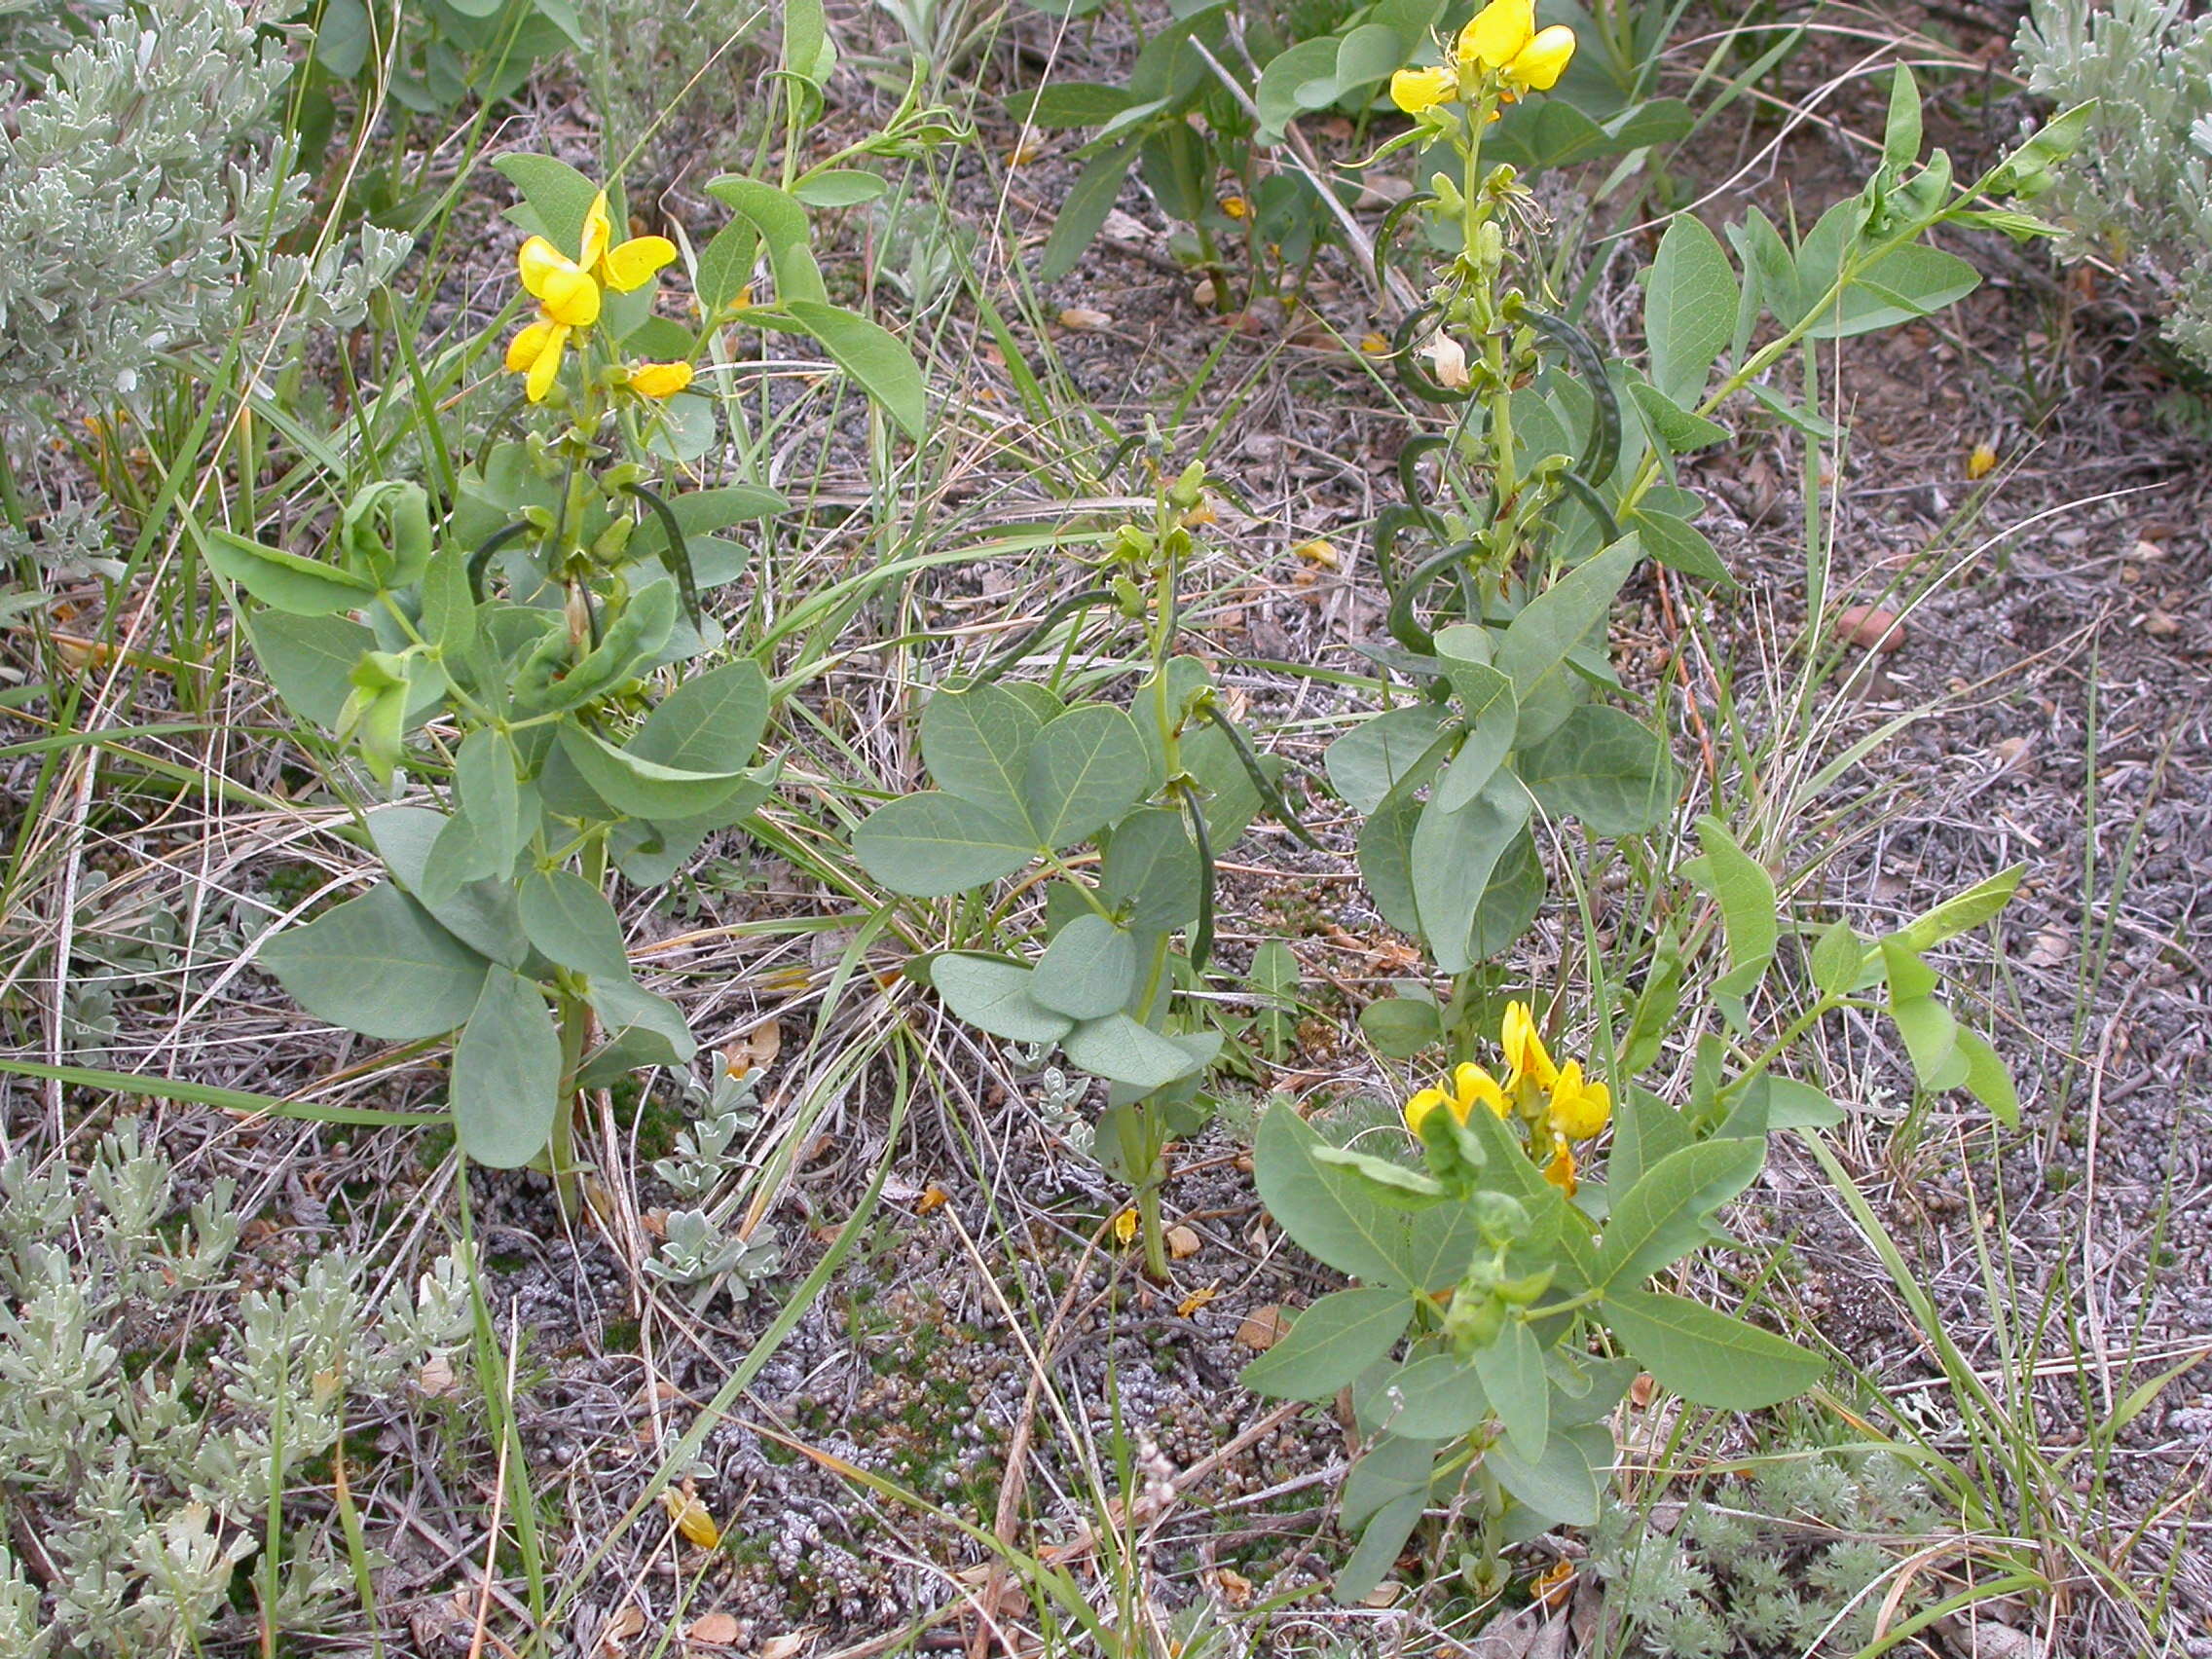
2140, 189
143, 194
148, 1411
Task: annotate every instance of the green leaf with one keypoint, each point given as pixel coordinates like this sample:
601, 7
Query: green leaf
873, 356
1744, 891
448, 609
1492, 720
1152, 872
647, 788
1388, 1183
1675, 427
481, 914
1906, 283
1533, 652
1379, 1547
1331, 1344
506, 1074
1838, 957
932, 844
571, 923
285, 581
1689, 309
1088, 970
1401, 1026
1987, 1079
997, 996
1964, 911
484, 832
1674, 543
308, 659
560, 195
1512, 1372
709, 723
1605, 767
1369, 762
1563, 1485
1437, 1399
1386, 858
1323, 1210
1453, 855
1116, 1046
839, 187
1085, 769
782, 224
1900, 133
378, 965
1662, 1218
976, 744
1070, 103
1709, 1357
646, 1029
1083, 210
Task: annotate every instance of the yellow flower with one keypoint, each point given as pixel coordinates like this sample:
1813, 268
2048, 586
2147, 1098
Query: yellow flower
1983, 462
1580, 1110
1470, 1085
659, 380
1528, 1069
1560, 1172
1415, 90
1503, 38
622, 266
537, 352
564, 291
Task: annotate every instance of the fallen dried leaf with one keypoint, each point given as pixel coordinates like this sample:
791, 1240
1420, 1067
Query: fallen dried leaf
1231, 1586
628, 1620
756, 1049
715, 1630
1263, 1328
691, 1515
1083, 316
1550, 1588
790, 1643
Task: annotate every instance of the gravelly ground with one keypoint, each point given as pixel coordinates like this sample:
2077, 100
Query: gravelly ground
2066, 652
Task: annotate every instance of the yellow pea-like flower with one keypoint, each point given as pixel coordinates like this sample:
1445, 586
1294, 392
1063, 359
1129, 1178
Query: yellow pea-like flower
659, 380
1497, 34
535, 351
1579, 1109
562, 289
1471, 1085
622, 266
1560, 1172
1528, 1069
1417, 90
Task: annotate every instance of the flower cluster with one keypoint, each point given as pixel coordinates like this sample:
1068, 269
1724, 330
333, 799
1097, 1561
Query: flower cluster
569, 293
1559, 1104
1500, 53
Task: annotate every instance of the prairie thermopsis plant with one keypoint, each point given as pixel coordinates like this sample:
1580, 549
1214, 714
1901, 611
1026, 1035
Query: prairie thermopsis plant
531, 646
1503, 1303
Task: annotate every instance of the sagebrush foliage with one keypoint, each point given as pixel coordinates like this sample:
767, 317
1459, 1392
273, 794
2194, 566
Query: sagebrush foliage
144, 205
2140, 190
143, 1434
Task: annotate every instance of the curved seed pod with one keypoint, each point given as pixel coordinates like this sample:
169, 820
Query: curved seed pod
1579, 487
1603, 447
482, 557
1053, 618
1405, 626
1270, 795
676, 555
1202, 930
1388, 232
1393, 523
1410, 457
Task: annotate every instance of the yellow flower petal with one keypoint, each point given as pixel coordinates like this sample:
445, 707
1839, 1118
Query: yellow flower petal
540, 262
548, 363
599, 231
1580, 1110
524, 350
1497, 34
1983, 462
1539, 64
1560, 1172
1422, 1104
1415, 90
1473, 1085
659, 380
634, 263
1529, 1068
1126, 1226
